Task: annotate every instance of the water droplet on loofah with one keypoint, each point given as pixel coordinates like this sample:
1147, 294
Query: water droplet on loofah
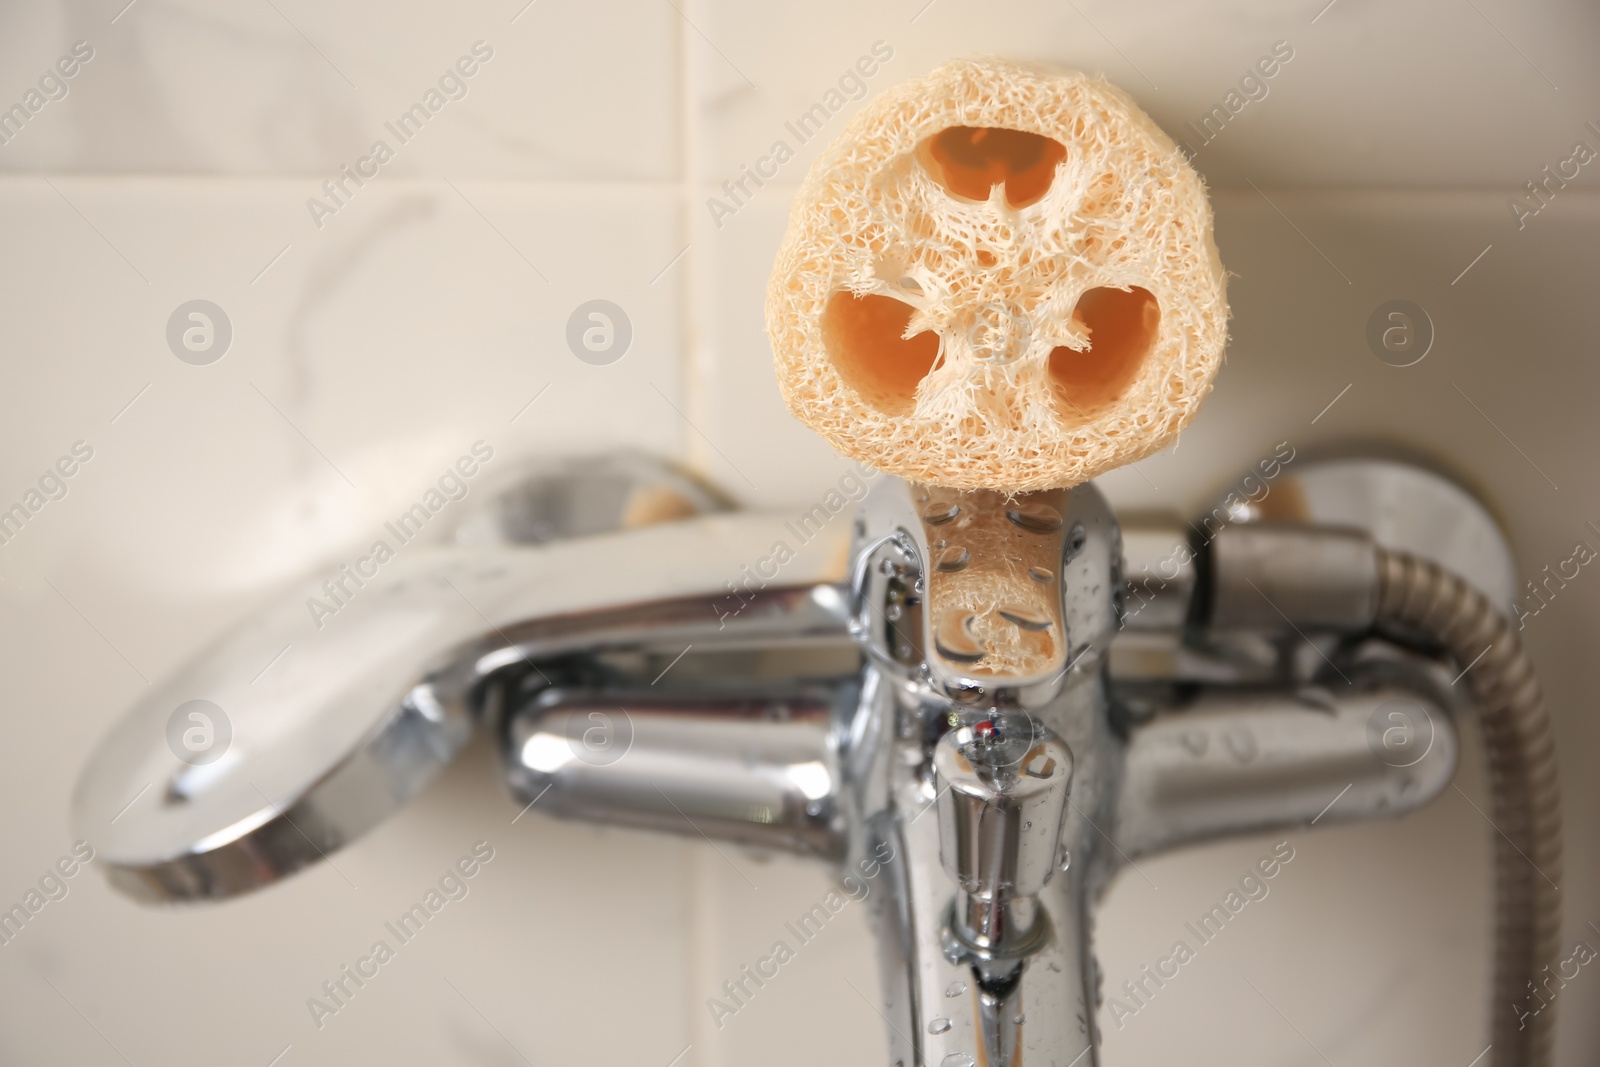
942, 512
954, 558
954, 639
1043, 575
1036, 518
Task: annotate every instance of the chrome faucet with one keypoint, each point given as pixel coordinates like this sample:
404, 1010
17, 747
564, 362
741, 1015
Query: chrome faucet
1065, 693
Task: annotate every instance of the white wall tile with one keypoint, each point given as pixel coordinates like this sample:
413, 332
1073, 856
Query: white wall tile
196, 86
808, 1012
1428, 93
762, 453
420, 319
230, 982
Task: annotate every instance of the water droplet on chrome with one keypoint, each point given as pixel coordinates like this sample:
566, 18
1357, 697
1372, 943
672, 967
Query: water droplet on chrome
1035, 518
1026, 618
942, 512
1242, 744
893, 612
1042, 575
1066, 858
1076, 539
954, 558
954, 639
1020, 1019
955, 989
957, 1059
939, 1026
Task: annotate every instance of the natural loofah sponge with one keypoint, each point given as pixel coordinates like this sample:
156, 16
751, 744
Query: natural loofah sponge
999, 277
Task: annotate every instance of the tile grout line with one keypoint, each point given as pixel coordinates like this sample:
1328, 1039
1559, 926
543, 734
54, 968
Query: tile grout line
697, 905
694, 329
686, 285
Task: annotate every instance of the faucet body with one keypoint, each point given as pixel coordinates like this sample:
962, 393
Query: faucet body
995, 711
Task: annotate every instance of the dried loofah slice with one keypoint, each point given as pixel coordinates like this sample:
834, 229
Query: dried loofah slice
999, 277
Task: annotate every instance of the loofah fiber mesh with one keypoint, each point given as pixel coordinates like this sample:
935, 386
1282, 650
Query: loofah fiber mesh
884, 253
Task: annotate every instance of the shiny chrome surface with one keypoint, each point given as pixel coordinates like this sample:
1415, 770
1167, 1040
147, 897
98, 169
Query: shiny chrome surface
1159, 573
632, 679
335, 728
582, 496
760, 771
1403, 506
1246, 762
1034, 1004
1002, 786
1263, 574
895, 574
987, 621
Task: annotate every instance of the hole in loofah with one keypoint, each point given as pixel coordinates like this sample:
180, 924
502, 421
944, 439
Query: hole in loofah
865, 338
1122, 327
969, 161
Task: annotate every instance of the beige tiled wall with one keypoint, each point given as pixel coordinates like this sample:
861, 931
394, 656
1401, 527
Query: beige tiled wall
428, 312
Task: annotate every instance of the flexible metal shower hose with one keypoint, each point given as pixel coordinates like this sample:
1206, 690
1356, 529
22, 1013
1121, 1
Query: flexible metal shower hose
1526, 800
